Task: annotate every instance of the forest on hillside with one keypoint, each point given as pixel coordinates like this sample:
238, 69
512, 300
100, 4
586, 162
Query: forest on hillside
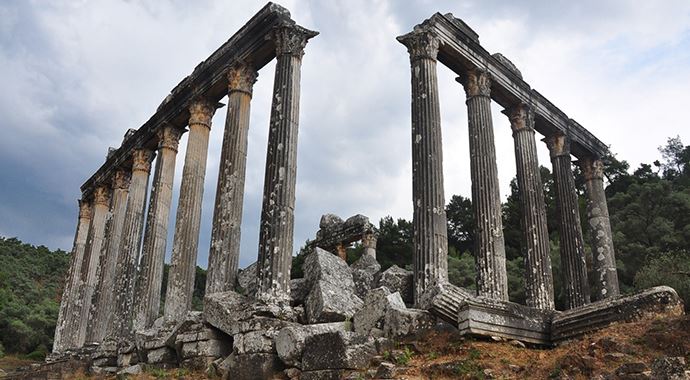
650, 218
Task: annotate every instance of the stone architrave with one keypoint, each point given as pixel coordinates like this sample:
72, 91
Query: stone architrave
92, 260
150, 278
102, 305
535, 233
600, 229
227, 214
178, 299
63, 332
573, 264
120, 325
490, 256
430, 242
277, 212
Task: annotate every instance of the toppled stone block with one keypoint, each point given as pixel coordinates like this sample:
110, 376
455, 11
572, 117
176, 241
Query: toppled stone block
161, 355
329, 302
251, 366
299, 290
669, 368
320, 265
290, 341
247, 280
215, 348
364, 273
131, 370
232, 313
376, 305
398, 280
337, 350
407, 322
330, 221
254, 342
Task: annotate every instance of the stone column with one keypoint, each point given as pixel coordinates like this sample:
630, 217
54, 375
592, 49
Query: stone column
600, 229
102, 305
369, 244
572, 251
341, 251
178, 299
429, 224
535, 233
224, 254
120, 325
150, 278
63, 332
490, 256
92, 260
277, 218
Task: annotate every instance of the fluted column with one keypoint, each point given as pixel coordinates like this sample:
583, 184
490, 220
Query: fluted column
572, 251
150, 278
490, 255
120, 325
535, 233
63, 329
178, 298
600, 229
92, 260
224, 253
102, 305
277, 211
429, 224
369, 244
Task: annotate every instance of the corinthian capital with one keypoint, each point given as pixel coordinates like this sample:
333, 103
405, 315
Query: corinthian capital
558, 144
101, 196
521, 117
121, 179
421, 43
141, 159
84, 209
592, 168
169, 137
477, 82
201, 112
241, 77
291, 39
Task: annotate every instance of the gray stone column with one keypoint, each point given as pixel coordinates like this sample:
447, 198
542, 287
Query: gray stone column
92, 260
102, 305
120, 325
277, 212
150, 278
224, 254
178, 299
535, 233
490, 255
369, 244
572, 251
63, 332
429, 224
600, 229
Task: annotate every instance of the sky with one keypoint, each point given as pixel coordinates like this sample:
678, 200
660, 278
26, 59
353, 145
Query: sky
77, 74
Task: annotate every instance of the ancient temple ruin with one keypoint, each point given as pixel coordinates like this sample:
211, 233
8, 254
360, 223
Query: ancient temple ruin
110, 306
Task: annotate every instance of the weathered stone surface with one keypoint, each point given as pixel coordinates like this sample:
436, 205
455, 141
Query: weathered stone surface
251, 366
254, 342
329, 302
232, 313
326, 374
131, 370
290, 341
406, 322
337, 350
216, 348
161, 355
398, 280
669, 368
320, 265
299, 290
364, 273
334, 234
375, 308
247, 280
660, 300
445, 301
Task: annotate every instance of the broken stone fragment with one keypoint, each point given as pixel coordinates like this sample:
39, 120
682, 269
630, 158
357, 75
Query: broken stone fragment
251, 366
364, 273
232, 313
330, 221
399, 280
325, 374
254, 342
669, 368
337, 350
329, 302
400, 323
321, 265
247, 280
375, 308
298, 291
289, 342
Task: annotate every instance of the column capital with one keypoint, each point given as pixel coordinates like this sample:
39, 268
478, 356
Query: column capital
84, 209
241, 77
169, 137
558, 144
521, 117
101, 196
121, 179
421, 43
201, 111
592, 168
290, 39
141, 160
477, 82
